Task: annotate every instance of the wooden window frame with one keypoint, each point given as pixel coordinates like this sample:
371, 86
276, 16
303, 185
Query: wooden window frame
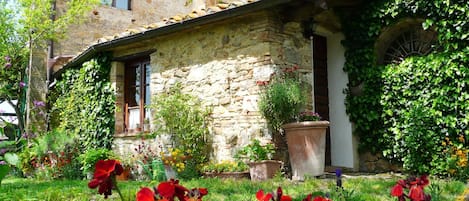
128, 85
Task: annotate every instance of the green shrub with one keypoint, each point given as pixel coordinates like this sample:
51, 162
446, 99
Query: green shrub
225, 166
282, 100
426, 100
186, 120
256, 152
91, 156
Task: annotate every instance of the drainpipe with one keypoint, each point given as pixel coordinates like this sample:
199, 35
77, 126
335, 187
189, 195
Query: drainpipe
49, 64
311, 38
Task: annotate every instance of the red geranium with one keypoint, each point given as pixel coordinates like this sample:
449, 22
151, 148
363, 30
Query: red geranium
167, 191
281, 197
105, 176
416, 187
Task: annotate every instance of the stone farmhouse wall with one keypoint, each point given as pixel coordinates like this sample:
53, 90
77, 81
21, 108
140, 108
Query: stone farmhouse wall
220, 63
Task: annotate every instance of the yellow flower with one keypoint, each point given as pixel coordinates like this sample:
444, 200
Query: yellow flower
443, 143
452, 171
461, 138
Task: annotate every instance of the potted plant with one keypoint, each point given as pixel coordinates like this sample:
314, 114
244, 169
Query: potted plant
226, 169
259, 157
282, 103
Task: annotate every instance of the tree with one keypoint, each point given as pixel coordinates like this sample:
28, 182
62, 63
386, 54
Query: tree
34, 24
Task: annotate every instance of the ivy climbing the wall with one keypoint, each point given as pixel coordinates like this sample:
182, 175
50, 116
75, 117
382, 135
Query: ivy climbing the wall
414, 113
85, 103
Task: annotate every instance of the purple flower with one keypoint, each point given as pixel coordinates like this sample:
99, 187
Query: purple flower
3, 163
22, 84
28, 135
338, 174
38, 103
7, 58
3, 151
7, 65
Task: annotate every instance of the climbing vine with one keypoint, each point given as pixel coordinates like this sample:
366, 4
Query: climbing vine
402, 111
85, 103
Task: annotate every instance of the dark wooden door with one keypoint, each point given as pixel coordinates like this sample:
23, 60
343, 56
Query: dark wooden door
321, 96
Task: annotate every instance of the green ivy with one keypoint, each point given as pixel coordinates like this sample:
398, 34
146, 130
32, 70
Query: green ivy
405, 111
85, 103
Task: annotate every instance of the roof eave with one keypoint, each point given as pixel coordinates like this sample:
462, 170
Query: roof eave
171, 28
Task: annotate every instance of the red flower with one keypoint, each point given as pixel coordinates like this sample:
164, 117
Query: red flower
263, 197
280, 196
319, 198
171, 189
145, 194
285, 198
196, 194
104, 176
416, 193
397, 190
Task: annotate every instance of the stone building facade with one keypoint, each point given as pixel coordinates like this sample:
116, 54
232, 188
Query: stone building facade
218, 52
221, 67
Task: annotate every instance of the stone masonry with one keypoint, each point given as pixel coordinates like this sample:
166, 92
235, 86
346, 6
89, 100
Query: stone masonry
220, 63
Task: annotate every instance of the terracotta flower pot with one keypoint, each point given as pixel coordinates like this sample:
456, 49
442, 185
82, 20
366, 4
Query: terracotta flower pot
125, 175
263, 170
306, 147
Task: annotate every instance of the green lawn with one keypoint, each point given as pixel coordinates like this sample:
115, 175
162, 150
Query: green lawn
364, 189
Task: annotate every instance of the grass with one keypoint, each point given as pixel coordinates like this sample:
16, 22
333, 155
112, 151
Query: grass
364, 189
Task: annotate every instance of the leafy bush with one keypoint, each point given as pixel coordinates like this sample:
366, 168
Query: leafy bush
282, 100
256, 152
51, 155
425, 100
225, 166
185, 120
91, 156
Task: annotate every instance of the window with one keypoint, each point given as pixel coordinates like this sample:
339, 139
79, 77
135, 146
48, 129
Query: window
121, 4
137, 95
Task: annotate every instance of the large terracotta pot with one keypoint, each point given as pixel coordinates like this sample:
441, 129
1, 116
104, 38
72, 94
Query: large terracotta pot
263, 170
306, 147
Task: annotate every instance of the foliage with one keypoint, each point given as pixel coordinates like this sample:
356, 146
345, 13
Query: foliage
91, 156
27, 24
282, 99
366, 188
256, 152
426, 109
225, 166
154, 169
85, 103
184, 118
432, 102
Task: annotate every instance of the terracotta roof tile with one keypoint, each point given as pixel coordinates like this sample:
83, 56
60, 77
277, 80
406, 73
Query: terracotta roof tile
175, 19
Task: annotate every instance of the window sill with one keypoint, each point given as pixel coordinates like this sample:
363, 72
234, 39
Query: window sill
131, 134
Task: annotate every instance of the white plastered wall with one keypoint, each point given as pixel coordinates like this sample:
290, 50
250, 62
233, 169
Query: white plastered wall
343, 143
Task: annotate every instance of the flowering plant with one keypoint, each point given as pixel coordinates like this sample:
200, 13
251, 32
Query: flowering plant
416, 187
308, 115
279, 196
175, 158
104, 179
